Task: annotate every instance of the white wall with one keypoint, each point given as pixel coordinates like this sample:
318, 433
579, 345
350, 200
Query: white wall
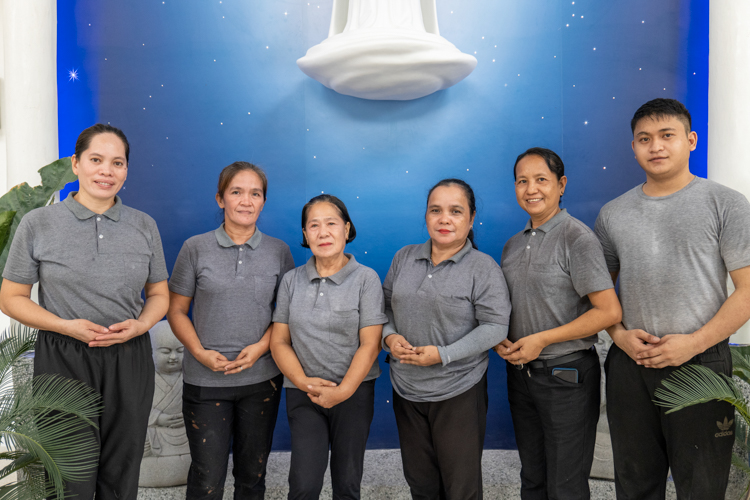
729, 102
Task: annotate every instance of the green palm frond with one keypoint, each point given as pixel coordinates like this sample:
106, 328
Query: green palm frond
695, 384
45, 423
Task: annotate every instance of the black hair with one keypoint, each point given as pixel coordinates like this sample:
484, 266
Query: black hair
468, 192
553, 161
343, 212
85, 137
663, 108
226, 176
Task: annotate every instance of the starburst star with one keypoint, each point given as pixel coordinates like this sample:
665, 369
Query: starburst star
72, 75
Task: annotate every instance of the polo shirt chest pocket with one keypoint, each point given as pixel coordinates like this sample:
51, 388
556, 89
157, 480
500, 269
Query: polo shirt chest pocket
344, 327
547, 280
133, 270
264, 288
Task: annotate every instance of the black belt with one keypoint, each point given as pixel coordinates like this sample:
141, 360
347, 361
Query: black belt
548, 363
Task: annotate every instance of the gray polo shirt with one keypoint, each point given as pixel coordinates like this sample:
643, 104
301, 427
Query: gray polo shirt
461, 306
673, 253
550, 271
233, 288
88, 266
325, 315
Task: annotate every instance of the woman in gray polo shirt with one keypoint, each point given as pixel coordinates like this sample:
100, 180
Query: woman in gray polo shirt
232, 387
92, 257
447, 305
562, 295
326, 340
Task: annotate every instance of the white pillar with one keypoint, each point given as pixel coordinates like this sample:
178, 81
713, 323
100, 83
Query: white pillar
729, 102
30, 97
28, 92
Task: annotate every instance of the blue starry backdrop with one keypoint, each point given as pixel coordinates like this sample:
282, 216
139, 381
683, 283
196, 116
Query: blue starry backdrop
198, 84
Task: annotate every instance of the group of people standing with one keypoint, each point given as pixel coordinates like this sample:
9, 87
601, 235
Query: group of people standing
258, 323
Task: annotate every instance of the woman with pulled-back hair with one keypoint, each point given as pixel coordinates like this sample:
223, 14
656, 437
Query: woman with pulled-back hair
232, 387
447, 305
92, 257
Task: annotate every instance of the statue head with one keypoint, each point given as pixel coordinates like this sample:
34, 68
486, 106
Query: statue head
167, 349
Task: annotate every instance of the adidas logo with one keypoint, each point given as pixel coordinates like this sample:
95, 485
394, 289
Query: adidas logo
724, 427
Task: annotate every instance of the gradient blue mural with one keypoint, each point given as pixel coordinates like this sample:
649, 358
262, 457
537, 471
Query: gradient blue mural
198, 84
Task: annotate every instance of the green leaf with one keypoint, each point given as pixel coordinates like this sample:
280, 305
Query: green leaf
741, 362
6, 220
22, 199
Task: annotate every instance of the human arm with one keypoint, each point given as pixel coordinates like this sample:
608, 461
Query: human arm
250, 354
15, 301
369, 347
157, 303
677, 349
287, 361
184, 330
605, 312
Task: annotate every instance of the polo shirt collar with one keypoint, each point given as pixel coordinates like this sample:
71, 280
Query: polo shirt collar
84, 213
224, 240
425, 252
339, 277
550, 224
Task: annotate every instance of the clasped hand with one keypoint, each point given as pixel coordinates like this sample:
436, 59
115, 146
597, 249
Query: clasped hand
323, 392
522, 351
407, 354
653, 352
217, 362
99, 336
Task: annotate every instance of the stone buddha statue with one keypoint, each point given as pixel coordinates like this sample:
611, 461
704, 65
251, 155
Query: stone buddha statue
166, 457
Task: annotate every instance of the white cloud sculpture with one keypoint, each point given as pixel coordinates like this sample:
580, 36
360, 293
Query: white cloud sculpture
386, 49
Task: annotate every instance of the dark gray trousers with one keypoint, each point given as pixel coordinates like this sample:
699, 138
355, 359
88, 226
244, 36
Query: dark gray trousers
124, 376
442, 443
344, 428
695, 442
555, 425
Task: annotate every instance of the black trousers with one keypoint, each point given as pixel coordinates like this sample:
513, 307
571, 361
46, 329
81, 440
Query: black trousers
696, 442
344, 428
555, 425
124, 376
442, 443
244, 416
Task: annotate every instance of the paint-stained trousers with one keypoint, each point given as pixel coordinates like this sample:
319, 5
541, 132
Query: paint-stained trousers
124, 376
217, 418
695, 442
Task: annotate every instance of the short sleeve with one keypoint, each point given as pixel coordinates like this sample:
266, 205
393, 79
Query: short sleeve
490, 296
22, 265
157, 266
284, 299
608, 247
184, 276
734, 241
371, 302
588, 269
287, 264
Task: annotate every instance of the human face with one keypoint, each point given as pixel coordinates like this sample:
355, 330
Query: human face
448, 218
538, 190
101, 170
325, 230
662, 147
242, 201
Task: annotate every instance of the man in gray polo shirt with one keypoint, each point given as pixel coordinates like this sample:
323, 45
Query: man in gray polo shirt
672, 241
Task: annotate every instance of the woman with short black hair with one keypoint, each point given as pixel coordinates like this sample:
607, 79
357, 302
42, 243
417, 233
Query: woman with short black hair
326, 340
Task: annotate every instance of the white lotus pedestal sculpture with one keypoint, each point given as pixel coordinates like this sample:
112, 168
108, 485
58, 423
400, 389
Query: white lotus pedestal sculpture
386, 49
